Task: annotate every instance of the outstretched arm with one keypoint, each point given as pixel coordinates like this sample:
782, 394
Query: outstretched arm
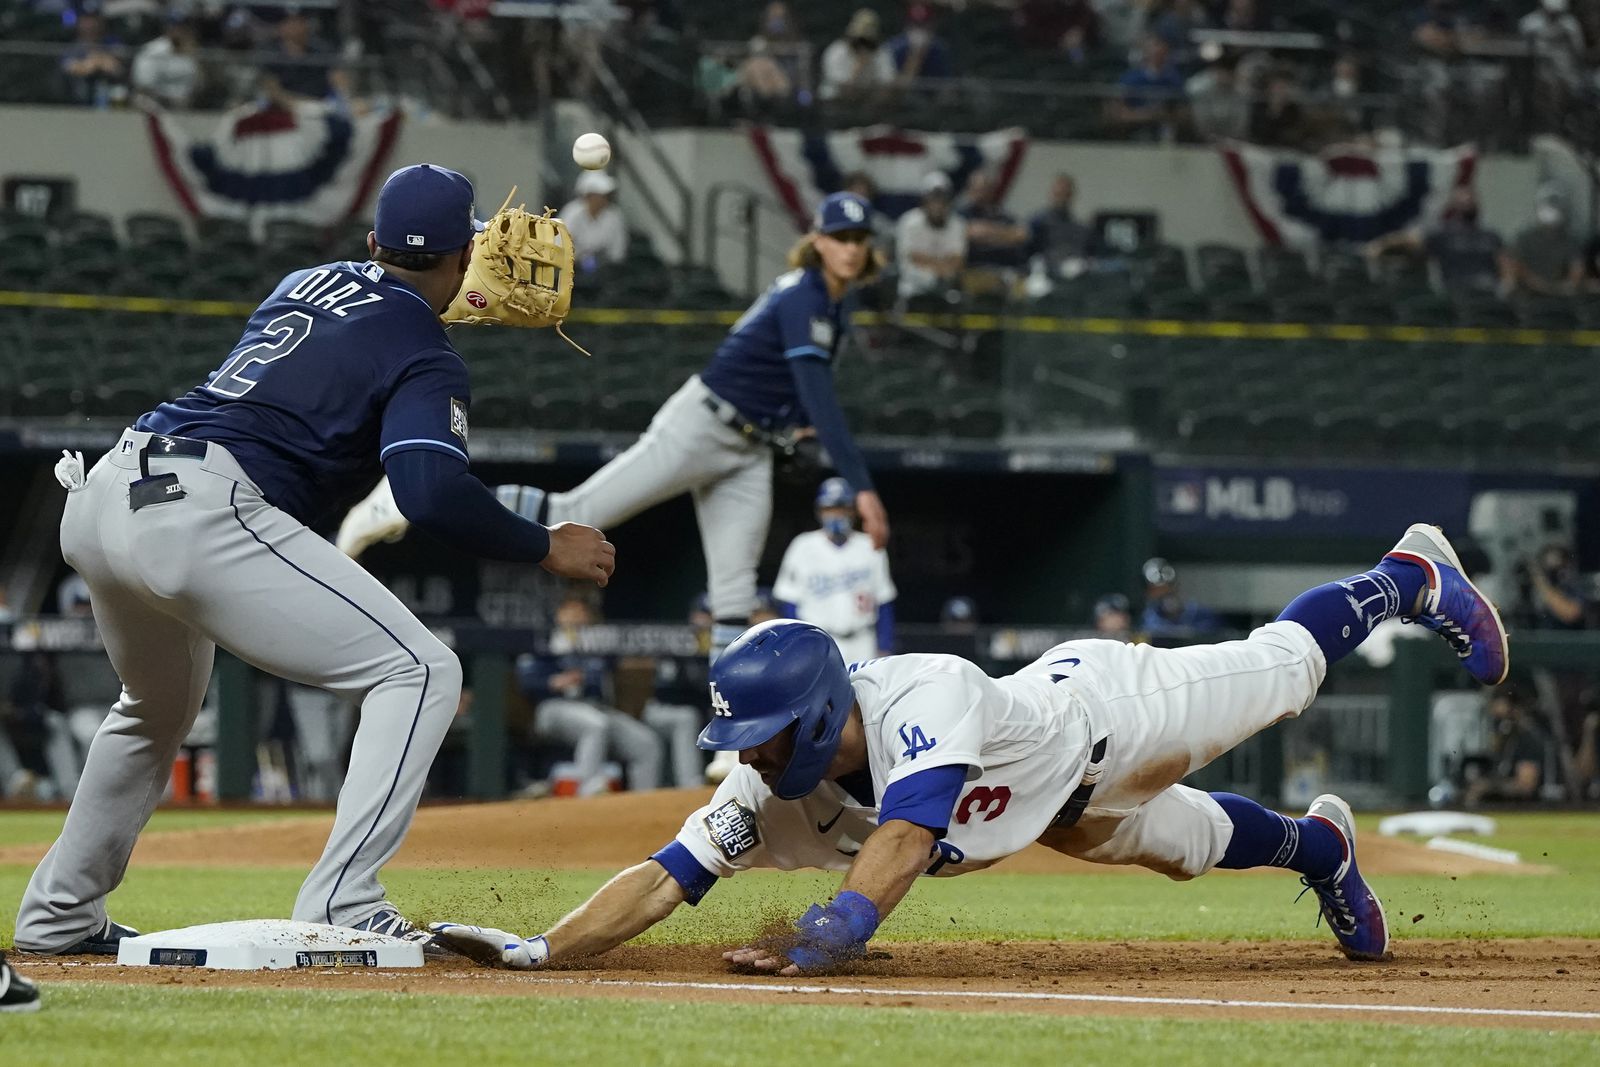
623, 908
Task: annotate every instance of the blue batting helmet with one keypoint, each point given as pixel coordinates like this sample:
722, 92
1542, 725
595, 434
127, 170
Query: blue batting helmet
835, 493
780, 674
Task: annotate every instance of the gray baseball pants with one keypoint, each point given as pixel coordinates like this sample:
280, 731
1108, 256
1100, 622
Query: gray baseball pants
687, 450
221, 566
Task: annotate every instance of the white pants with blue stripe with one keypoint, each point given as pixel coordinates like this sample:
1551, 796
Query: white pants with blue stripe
221, 566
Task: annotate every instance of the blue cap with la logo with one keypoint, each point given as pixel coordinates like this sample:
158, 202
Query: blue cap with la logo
842, 211
426, 208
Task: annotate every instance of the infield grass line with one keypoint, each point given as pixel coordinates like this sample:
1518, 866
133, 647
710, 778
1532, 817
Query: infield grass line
1077, 998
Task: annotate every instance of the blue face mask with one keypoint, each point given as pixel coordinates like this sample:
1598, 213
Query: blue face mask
837, 528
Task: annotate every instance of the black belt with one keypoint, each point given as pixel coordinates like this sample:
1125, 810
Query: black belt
1072, 810
732, 417
162, 445
161, 488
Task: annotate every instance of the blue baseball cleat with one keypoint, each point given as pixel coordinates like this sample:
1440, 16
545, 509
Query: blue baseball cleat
1453, 607
1352, 909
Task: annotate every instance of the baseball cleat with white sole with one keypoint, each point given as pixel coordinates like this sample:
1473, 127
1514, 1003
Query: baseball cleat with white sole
376, 518
1453, 607
1352, 909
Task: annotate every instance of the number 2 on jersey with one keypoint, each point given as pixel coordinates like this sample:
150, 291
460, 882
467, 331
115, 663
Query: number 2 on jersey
286, 332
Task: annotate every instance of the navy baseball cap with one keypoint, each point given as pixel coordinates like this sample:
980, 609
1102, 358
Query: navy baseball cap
426, 208
842, 211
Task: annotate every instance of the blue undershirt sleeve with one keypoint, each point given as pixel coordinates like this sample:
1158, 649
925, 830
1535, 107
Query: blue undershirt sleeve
680, 863
436, 491
886, 627
926, 798
813, 380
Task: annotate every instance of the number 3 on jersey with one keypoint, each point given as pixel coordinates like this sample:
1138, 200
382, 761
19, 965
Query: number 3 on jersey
286, 332
915, 742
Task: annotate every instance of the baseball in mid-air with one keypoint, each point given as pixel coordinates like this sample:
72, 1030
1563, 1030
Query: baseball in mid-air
591, 151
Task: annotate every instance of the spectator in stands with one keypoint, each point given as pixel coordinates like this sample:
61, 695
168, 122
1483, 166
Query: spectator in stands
919, 53
571, 694
1518, 748
770, 75
72, 597
1122, 23
1544, 258
931, 242
856, 66
1113, 617
1278, 120
1243, 16
91, 67
997, 244
167, 70
1556, 592
1344, 116
1166, 612
1070, 27
1151, 104
1176, 25
599, 233
1435, 28
1057, 235
1467, 257
677, 706
303, 66
1557, 42
1218, 103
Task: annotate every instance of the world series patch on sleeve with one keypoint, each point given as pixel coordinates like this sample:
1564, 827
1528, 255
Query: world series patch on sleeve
732, 828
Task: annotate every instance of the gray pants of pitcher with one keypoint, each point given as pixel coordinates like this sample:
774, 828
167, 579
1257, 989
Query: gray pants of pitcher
686, 450
221, 566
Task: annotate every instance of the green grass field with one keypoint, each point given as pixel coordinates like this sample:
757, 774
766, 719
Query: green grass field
126, 1025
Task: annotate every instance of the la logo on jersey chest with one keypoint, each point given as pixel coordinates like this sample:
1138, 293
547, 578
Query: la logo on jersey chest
333, 290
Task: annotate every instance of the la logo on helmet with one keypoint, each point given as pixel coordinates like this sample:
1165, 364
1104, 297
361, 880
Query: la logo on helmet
719, 703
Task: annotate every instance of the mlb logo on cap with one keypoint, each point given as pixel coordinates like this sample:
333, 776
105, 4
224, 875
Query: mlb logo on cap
426, 208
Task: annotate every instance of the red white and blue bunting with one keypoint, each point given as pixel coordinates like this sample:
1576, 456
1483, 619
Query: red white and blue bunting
1345, 196
803, 167
309, 161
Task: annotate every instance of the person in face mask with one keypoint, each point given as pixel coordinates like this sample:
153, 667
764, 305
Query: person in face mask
1544, 258
832, 577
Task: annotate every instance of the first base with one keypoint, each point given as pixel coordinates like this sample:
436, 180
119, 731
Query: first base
271, 944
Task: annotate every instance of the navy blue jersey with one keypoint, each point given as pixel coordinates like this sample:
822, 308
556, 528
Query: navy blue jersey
341, 367
793, 319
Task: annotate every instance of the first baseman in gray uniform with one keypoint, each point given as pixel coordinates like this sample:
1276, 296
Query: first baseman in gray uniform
194, 532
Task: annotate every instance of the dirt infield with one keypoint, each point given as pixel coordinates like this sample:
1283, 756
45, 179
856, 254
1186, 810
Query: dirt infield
1490, 983
609, 833
1539, 983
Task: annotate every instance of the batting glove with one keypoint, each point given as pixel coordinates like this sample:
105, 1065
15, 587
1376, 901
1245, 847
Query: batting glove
835, 934
491, 947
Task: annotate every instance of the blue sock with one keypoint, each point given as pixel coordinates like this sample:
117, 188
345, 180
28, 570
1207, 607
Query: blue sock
1341, 614
1263, 838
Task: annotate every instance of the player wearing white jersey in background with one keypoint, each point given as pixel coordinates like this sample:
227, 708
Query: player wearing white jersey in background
922, 764
835, 578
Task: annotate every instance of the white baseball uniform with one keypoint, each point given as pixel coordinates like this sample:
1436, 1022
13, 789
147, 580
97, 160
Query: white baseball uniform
1027, 740
837, 587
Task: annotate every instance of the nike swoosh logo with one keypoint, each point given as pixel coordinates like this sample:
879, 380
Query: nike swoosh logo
824, 827
1069, 662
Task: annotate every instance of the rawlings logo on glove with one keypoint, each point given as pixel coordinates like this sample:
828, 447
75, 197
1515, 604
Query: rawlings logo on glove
521, 273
